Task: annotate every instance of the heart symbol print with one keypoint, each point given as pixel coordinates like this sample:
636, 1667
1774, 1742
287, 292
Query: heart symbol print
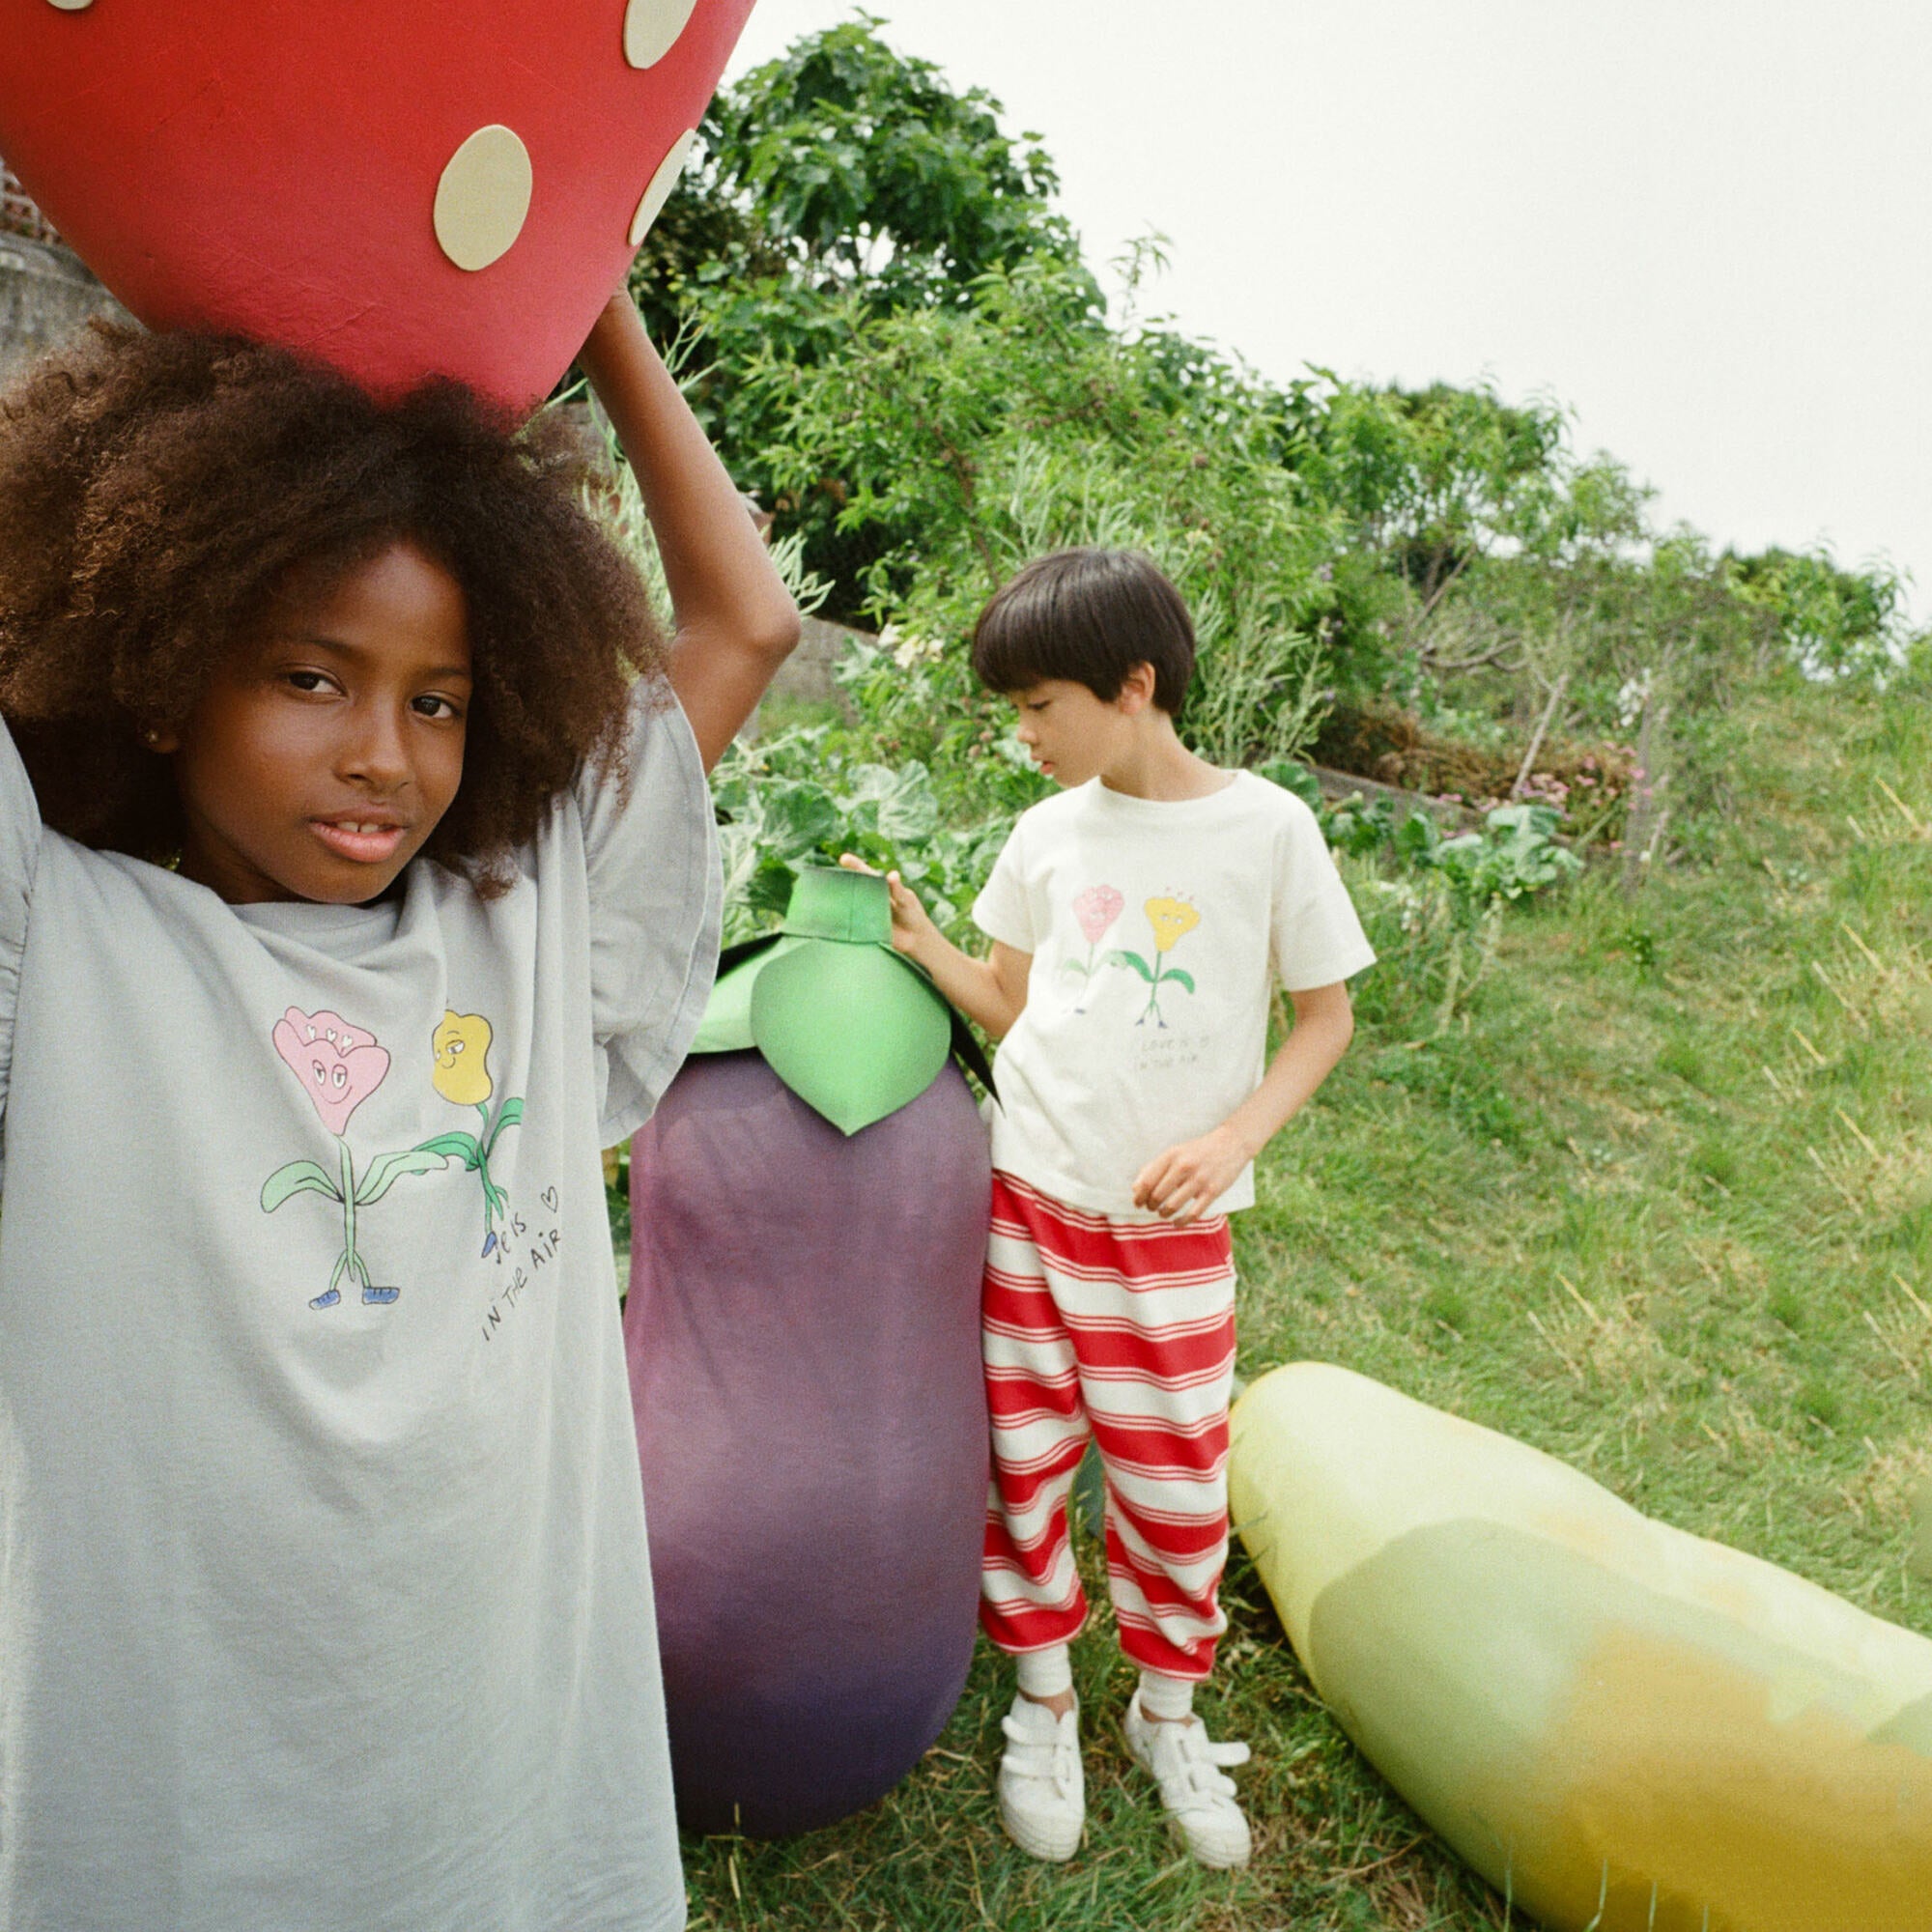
432, 187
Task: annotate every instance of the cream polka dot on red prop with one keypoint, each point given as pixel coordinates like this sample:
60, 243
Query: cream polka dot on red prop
427, 187
651, 28
483, 197
671, 170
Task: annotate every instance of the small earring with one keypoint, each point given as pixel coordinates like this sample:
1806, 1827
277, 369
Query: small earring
151, 738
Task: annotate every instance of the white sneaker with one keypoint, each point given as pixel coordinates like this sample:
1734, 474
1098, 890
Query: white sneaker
1042, 1790
1198, 1798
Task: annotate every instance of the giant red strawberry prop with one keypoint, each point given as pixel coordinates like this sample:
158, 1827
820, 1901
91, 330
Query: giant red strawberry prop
426, 187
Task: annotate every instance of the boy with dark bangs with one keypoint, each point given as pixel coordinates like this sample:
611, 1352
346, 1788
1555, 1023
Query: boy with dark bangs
1139, 921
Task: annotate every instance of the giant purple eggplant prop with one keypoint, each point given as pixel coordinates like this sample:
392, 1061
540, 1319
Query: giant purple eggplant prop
809, 1225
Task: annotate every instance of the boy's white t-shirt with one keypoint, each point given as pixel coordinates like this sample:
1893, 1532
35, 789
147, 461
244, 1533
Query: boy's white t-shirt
335, 1616
1158, 930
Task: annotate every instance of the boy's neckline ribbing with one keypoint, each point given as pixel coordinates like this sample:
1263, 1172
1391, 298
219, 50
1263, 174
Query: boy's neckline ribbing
1129, 803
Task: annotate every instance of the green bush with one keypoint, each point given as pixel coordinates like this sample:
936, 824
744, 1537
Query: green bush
798, 799
970, 439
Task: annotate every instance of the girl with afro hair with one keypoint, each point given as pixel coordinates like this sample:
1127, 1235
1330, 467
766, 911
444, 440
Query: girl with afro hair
357, 885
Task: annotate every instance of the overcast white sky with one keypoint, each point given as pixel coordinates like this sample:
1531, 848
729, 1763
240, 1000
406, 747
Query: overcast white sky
1704, 225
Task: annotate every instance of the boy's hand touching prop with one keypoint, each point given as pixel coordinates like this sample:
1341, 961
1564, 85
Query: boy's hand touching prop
429, 188
911, 922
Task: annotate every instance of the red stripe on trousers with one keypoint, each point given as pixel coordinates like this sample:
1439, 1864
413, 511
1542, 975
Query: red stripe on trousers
1181, 1459
1136, 1251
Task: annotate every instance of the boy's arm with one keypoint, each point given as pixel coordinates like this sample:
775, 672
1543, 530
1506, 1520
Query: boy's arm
736, 623
1185, 1181
990, 992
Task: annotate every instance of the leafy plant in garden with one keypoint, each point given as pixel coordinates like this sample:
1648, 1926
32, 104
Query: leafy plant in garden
1513, 857
1432, 902
797, 800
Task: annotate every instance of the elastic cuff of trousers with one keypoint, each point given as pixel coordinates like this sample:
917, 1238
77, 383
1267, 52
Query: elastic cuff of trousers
1169, 1698
1045, 1673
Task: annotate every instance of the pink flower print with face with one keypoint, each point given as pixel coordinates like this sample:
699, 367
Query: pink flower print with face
1096, 909
339, 1065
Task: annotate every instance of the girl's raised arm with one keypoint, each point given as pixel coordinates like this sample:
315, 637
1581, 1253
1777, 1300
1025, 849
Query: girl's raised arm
736, 623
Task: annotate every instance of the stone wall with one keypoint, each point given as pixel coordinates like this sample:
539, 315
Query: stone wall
46, 296
807, 672
18, 213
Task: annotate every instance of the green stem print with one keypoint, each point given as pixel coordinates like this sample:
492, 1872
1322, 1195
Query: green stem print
1171, 919
473, 1151
339, 1065
461, 1044
351, 1259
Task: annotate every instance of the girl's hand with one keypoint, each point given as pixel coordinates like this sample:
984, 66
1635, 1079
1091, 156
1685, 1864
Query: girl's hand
1181, 1184
912, 925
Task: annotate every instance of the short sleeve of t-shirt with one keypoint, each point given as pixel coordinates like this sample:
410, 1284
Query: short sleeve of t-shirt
1317, 938
19, 847
1000, 911
656, 900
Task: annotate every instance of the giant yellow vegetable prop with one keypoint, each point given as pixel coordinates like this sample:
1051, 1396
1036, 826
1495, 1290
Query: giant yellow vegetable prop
1624, 1726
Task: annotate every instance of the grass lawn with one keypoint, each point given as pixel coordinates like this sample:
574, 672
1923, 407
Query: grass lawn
1658, 1200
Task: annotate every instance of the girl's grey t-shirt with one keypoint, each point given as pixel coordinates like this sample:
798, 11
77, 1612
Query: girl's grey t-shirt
334, 1612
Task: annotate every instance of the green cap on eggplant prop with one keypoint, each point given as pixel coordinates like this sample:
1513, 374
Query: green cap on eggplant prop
847, 1022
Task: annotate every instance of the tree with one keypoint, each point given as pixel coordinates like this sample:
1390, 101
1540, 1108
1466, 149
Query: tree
872, 172
965, 438
892, 337
843, 173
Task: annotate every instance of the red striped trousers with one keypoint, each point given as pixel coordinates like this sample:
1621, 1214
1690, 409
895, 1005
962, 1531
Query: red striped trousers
1123, 1331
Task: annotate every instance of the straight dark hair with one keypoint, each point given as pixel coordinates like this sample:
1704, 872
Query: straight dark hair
1086, 616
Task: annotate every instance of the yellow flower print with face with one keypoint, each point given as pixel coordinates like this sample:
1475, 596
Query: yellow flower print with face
461, 1044
460, 1069
1171, 919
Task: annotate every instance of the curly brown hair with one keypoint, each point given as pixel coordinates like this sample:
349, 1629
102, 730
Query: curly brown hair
156, 490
